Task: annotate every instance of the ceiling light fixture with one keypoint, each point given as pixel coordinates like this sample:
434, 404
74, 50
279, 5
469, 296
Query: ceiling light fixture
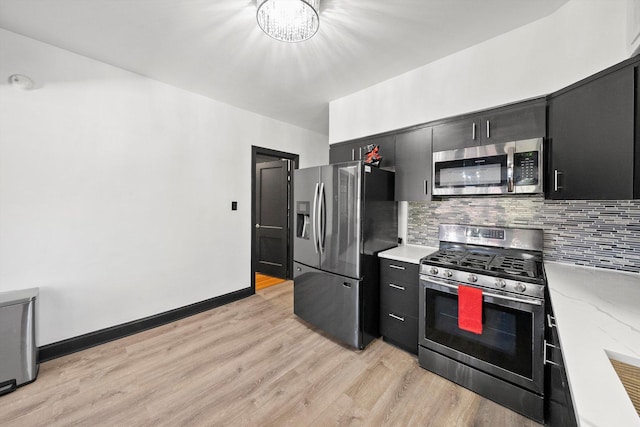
289, 20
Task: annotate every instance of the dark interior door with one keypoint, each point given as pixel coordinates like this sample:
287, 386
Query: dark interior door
272, 231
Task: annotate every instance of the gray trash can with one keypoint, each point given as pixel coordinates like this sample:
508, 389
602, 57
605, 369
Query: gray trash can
18, 350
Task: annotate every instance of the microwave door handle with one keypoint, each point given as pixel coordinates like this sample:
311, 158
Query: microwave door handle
510, 156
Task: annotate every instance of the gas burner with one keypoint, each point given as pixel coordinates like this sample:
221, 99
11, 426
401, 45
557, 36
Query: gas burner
514, 266
476, 260
511, 262
446, 257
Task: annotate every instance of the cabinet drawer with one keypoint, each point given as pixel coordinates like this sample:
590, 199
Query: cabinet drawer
398, 271
399, 296
399, 329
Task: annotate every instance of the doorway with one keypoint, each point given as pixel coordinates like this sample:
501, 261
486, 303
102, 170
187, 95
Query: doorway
272, 222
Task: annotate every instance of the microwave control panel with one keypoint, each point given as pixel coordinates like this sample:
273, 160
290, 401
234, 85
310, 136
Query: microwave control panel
526, 168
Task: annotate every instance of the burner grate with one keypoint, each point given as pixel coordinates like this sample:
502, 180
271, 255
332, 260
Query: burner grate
495, 262
476, 260
446, 257
514, 266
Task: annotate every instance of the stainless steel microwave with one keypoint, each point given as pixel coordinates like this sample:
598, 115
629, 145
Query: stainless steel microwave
514, 167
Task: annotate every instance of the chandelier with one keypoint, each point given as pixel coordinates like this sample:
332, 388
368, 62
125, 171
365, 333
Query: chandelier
289, 20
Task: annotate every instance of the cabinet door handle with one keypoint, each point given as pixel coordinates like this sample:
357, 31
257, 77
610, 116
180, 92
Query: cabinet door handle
473, 131
397, 267
393, 316
394, 286
488, 129
556, 186
426, 187
353, 154
551, 321
547, 361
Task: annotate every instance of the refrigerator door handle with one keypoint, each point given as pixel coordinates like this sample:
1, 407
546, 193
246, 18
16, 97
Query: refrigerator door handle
321, 219
314, 211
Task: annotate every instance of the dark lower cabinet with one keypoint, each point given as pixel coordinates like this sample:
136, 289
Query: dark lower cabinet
558, 406
591, 138
399, 304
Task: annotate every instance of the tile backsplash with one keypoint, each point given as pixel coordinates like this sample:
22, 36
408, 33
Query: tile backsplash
603, 234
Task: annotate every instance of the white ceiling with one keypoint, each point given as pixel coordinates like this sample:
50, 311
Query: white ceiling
215, 48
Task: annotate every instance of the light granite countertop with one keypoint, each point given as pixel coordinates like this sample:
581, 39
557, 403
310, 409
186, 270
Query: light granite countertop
407, 253
597, 314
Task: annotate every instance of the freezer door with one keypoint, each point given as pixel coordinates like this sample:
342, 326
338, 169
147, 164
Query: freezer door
329, 302
340, 213
306, 188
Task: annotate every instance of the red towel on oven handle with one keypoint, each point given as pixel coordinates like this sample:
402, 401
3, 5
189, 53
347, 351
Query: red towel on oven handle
470, 309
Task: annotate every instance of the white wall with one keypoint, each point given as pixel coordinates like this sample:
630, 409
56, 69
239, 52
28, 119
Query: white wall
116, 190
633, 26
581, 38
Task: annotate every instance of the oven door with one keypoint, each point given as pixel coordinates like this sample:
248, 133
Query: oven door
511, 344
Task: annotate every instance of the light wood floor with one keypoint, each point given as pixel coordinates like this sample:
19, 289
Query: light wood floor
263, 281
249, 363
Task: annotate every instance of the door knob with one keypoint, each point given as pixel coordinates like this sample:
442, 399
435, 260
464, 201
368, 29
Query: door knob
257, 225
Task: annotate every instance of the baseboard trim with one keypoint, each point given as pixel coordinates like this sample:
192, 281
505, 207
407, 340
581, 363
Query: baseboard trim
92, 339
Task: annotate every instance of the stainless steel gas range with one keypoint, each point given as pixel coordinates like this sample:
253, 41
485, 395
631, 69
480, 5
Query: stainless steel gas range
500, 356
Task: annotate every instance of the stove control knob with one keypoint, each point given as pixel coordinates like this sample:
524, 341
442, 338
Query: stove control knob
473, 278
520, 287
433, 270
500, 283
448, 273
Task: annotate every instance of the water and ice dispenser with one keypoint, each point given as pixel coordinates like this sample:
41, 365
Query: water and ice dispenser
303, 219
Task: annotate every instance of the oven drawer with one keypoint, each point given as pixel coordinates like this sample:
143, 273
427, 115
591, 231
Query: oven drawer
398, 271
399, 296
399, 329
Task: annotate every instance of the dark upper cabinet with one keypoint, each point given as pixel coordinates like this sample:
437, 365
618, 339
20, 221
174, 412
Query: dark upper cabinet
413, 165
591, 139
523, 120
356, 150
387, 150
457, 134
342, 152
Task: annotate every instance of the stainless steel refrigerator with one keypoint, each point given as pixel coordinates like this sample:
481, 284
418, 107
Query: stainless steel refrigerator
344, 215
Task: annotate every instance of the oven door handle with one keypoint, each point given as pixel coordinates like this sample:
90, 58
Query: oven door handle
491, 294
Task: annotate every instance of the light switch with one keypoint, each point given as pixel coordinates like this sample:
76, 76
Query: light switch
234, 206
